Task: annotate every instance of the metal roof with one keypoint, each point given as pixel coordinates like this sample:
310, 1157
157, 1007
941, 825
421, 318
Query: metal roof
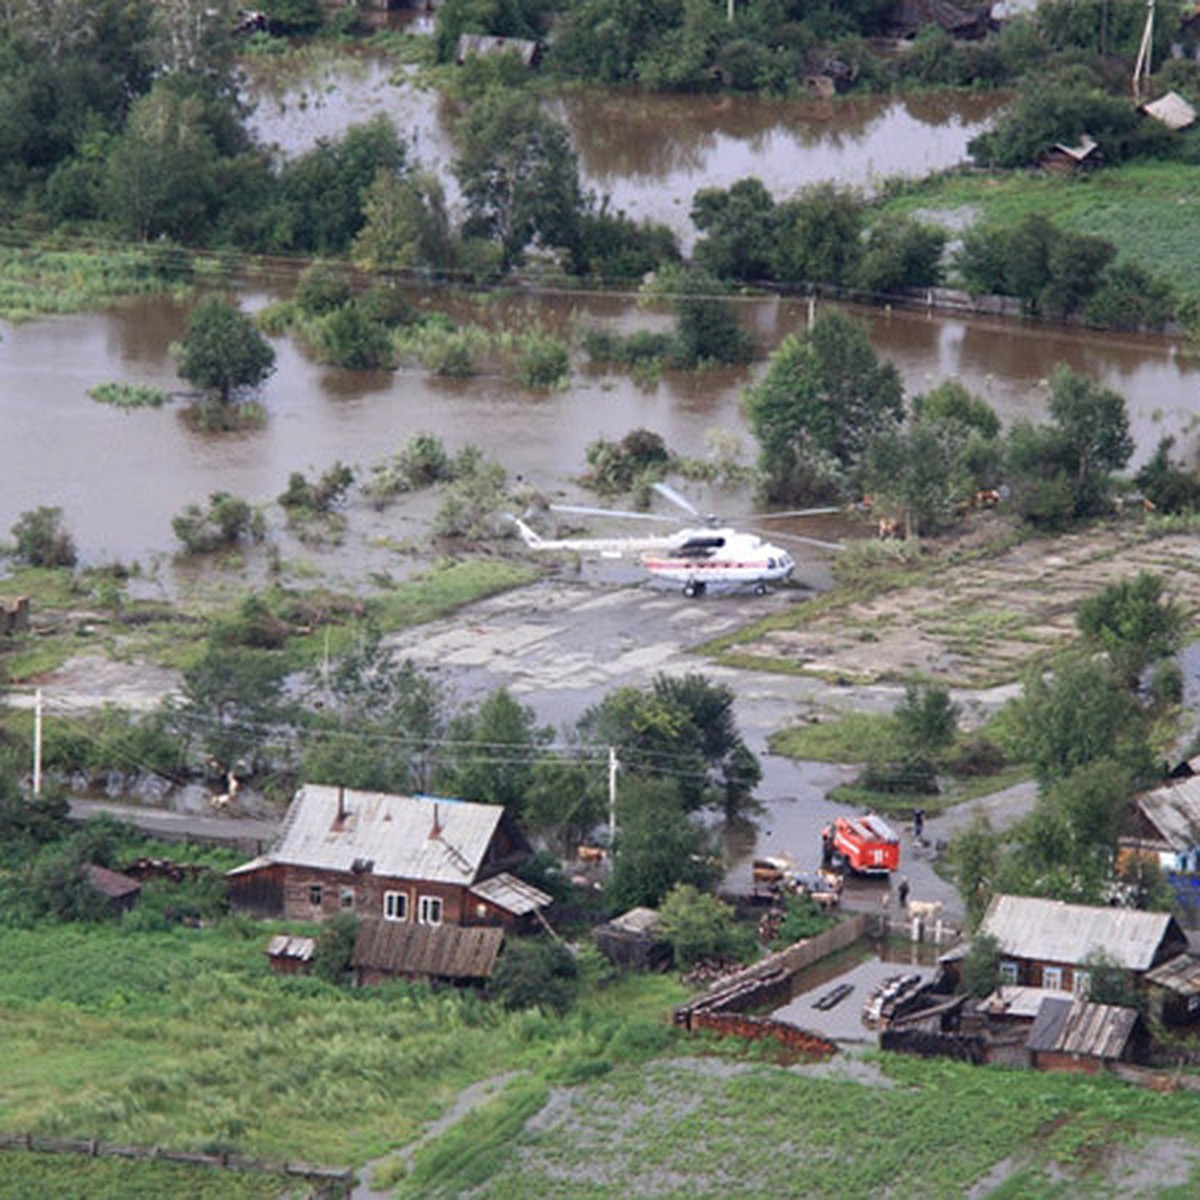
511, 894
1172, 110
1056, 932
441, 951
112, 884
283, 945
1180, 974
1174, 810
409, 837
1065, 1026
1013, 1001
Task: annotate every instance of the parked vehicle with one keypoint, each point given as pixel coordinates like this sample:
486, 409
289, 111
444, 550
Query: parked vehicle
865, 845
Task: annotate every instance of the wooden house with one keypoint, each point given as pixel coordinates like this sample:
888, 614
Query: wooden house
1164, 825
1048, 943
404, 859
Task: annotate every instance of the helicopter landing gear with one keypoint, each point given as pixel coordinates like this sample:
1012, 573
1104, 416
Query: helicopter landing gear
760, 588
693, 587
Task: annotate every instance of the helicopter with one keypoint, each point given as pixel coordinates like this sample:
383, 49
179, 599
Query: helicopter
696, 558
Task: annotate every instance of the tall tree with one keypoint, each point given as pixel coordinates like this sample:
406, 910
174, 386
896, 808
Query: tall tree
825, 394
518, 174
494, 750
1133, 622
406, 225
222, 350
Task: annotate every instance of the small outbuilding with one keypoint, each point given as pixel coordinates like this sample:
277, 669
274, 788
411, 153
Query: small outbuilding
1074, 1035
289, 955
386, 950
486, 45
120, 892
1171, 110
1175, 990
632, 940
1065, 159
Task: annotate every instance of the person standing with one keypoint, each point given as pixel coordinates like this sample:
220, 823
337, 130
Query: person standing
902, 892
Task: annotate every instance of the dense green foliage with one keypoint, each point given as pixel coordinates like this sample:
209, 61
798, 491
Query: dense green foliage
824, 396
1134, 623
222, 351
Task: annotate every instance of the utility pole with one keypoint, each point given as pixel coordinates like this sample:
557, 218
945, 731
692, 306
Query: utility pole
1142, 68
612, 797
37, 743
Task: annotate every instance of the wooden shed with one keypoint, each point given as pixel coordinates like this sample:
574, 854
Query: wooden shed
486, 45
1073, 1035
632, 940
447, 953
118, 890
289, 955
1065, 160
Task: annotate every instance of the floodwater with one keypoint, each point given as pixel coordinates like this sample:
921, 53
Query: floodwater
863, 970
120, 476
649, 154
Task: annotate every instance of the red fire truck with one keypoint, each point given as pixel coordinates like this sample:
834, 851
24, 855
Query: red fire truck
866, 845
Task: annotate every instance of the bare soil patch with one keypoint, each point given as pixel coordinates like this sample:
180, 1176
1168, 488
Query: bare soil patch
976, 623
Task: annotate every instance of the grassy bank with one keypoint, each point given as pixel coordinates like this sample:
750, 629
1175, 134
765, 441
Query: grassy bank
79, 613
1148, 210
184, 1039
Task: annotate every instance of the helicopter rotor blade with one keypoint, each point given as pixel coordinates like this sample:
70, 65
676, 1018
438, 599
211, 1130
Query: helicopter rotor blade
795, 512
678, 499
584, 510
807, 541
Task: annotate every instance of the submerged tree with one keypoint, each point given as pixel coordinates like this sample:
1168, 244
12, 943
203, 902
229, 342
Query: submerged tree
222, 351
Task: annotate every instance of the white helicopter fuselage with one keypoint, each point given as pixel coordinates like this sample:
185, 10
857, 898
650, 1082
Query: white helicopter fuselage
696, 559
702, 558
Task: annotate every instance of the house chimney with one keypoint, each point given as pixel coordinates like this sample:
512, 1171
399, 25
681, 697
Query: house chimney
341, 812
436, 831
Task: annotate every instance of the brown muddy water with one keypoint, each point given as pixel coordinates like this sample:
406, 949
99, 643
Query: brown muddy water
121, 476
648, 153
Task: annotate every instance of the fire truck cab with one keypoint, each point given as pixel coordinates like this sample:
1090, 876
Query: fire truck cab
865, 845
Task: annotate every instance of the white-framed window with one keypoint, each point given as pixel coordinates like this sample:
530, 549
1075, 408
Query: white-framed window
1052, 978
429, 910
1008, 973
1080, 983
395, 906
314, 895
346, 898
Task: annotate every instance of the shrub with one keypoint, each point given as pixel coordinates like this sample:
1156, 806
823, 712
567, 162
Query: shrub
301, 496
543, 363
128, 395
335, 946
322, 289
348, 337
535, 974
698, 926
803, 918
227, 521
41, 539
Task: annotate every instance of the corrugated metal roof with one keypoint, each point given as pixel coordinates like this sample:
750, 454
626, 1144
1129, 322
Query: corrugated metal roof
1174, 810
283, 945
1064, 1026
411, 837
1180, 974
441, 951
1172, 110
1056, 932
511, 894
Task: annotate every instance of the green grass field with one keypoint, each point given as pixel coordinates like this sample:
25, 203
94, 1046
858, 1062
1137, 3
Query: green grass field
1148, 210
185, 1040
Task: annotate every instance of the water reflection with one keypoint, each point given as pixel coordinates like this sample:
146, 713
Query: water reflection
649, 153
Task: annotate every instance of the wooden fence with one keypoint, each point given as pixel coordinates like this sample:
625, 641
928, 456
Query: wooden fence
327, 1182
721, 1009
